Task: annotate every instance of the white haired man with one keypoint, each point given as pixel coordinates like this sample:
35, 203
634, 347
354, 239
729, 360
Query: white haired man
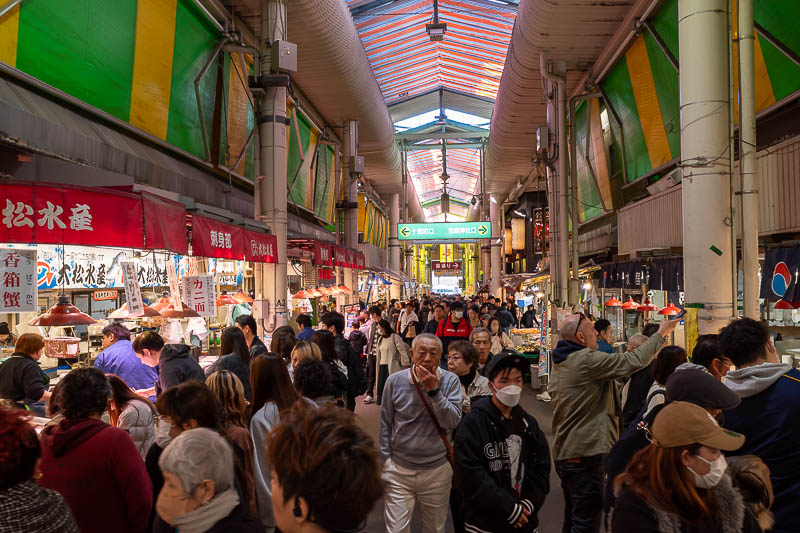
421, 406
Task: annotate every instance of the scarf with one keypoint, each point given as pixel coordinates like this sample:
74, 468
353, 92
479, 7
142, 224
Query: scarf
204, 517
469, 377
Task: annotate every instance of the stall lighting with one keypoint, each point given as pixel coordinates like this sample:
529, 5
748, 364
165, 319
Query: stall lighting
62, 314
647, 306
540, 294
784, 305
315, 293
324, 290
123, 313
186, 312
508, 249
242, 298
226, 299
587, 286
301, 294
344, 288
670, 310
613, 302
518, 233
162, 303
630, 305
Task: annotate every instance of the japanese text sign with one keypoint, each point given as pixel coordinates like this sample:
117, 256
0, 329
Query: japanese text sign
174, 285
70, 215
260, 247
444, 231
323, 254
199, 294
132, 292
211, 238
17, 281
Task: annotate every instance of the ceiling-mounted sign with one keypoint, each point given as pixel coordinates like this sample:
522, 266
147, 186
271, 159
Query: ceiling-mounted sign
99, 296
444, 231
451, 267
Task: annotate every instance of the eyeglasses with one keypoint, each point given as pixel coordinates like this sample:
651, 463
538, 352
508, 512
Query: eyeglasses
578, 327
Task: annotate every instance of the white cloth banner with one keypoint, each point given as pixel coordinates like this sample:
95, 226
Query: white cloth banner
18, 281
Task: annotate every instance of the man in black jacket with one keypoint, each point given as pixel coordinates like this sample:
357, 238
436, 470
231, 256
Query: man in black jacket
356, 380
502, 460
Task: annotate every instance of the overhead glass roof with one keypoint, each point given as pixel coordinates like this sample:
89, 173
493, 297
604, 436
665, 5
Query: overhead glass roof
408, 66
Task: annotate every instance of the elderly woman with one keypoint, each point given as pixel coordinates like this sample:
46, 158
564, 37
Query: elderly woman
198, 494
24, 505
118, 358
462, 360
21, 379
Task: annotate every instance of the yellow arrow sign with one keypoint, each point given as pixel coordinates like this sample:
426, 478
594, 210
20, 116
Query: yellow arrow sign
404, 231
483, 229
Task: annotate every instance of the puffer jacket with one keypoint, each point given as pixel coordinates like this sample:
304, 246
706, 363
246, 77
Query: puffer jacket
137, 419
177, 365
633, 513
585, 397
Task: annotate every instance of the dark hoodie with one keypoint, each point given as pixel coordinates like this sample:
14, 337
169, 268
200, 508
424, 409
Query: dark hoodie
564, 349
482, 470
99, 472
176, 366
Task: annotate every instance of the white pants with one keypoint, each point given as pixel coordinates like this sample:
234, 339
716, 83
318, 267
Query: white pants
404, 488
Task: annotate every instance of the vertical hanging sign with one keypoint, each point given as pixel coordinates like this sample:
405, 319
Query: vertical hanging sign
132, 291
18, 283
199, 294
174, 286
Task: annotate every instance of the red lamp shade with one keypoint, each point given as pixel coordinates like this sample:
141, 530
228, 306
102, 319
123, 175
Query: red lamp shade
162, 303
302, 294
124, 313
226, 299
324, 290
630, 304
613, 302
647, 306
187, 312
314, 293
344, 288
783, 304
670, 310
242, 298
62, 314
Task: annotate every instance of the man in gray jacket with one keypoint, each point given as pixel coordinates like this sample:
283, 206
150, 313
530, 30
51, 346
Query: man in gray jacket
417, 469
586, 409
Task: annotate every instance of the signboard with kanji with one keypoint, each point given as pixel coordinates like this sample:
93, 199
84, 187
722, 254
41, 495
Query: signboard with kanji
444, 231
132, 292
441, 267
17, 281
174, 284
198, 293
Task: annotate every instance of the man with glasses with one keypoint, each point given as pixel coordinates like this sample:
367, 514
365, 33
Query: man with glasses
586, 413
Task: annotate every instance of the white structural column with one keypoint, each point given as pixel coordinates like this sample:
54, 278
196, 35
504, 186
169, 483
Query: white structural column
497, 247
702, 38
350, 215
395, 250
748, 167
272, 196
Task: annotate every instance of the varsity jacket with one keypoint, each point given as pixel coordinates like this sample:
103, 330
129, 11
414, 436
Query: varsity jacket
489, 501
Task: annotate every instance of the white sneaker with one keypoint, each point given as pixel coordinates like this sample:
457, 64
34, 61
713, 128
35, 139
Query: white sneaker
369, 399
544, 397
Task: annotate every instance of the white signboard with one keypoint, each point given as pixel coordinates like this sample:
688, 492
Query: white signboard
132, 291
199, 294
174, 285
17, 281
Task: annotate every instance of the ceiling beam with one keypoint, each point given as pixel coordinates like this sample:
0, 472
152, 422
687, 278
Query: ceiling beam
471, 146
447, 135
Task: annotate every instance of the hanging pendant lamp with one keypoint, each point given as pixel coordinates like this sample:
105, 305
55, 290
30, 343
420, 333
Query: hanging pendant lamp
124, 313
186, 312
62, 314
785, 305
670, 310
242, 298
613, 302
647, 306
225, 299
630, 304
345, 288
162, 303
302, 294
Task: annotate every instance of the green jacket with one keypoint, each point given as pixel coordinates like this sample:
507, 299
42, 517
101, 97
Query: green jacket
586, 397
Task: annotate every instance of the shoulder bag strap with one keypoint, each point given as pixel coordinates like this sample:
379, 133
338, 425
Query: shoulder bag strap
428, 408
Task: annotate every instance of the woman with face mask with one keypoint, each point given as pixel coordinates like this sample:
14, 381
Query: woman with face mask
500, 340
502, 459
678, 483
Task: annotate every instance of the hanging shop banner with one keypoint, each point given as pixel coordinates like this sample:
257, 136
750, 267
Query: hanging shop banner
360, 260
132, 292
198, 293
33, 213
323, 255
212, 238
260, 247
174, 284
441, 268
164, 224
781, 266
624, 275
18, 281
666, 274
349, 258
338, 255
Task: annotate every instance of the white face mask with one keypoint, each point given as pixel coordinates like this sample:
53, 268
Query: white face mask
714, 475
162, 433
458, 315
509, 396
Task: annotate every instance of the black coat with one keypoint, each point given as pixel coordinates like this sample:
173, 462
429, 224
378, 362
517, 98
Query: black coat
638, 387
239, 520
357, 381
177, 365
483, 470
22, 380
233, 363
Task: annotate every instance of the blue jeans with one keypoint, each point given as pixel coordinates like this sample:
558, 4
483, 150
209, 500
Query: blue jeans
582, 483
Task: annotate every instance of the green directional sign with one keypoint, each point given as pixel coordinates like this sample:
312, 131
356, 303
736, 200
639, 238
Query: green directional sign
444, 231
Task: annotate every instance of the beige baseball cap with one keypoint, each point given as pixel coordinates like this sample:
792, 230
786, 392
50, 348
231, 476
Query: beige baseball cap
684, 423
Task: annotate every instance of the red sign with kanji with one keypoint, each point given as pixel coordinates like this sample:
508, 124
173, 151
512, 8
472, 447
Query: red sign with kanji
212, 238
63, 214
323, 254
260, 247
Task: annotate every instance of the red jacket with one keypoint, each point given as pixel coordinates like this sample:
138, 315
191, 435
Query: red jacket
99, 472
448, 332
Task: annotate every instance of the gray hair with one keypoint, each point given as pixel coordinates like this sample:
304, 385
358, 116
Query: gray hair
636, 340
476, 331
426, 336
197, 455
